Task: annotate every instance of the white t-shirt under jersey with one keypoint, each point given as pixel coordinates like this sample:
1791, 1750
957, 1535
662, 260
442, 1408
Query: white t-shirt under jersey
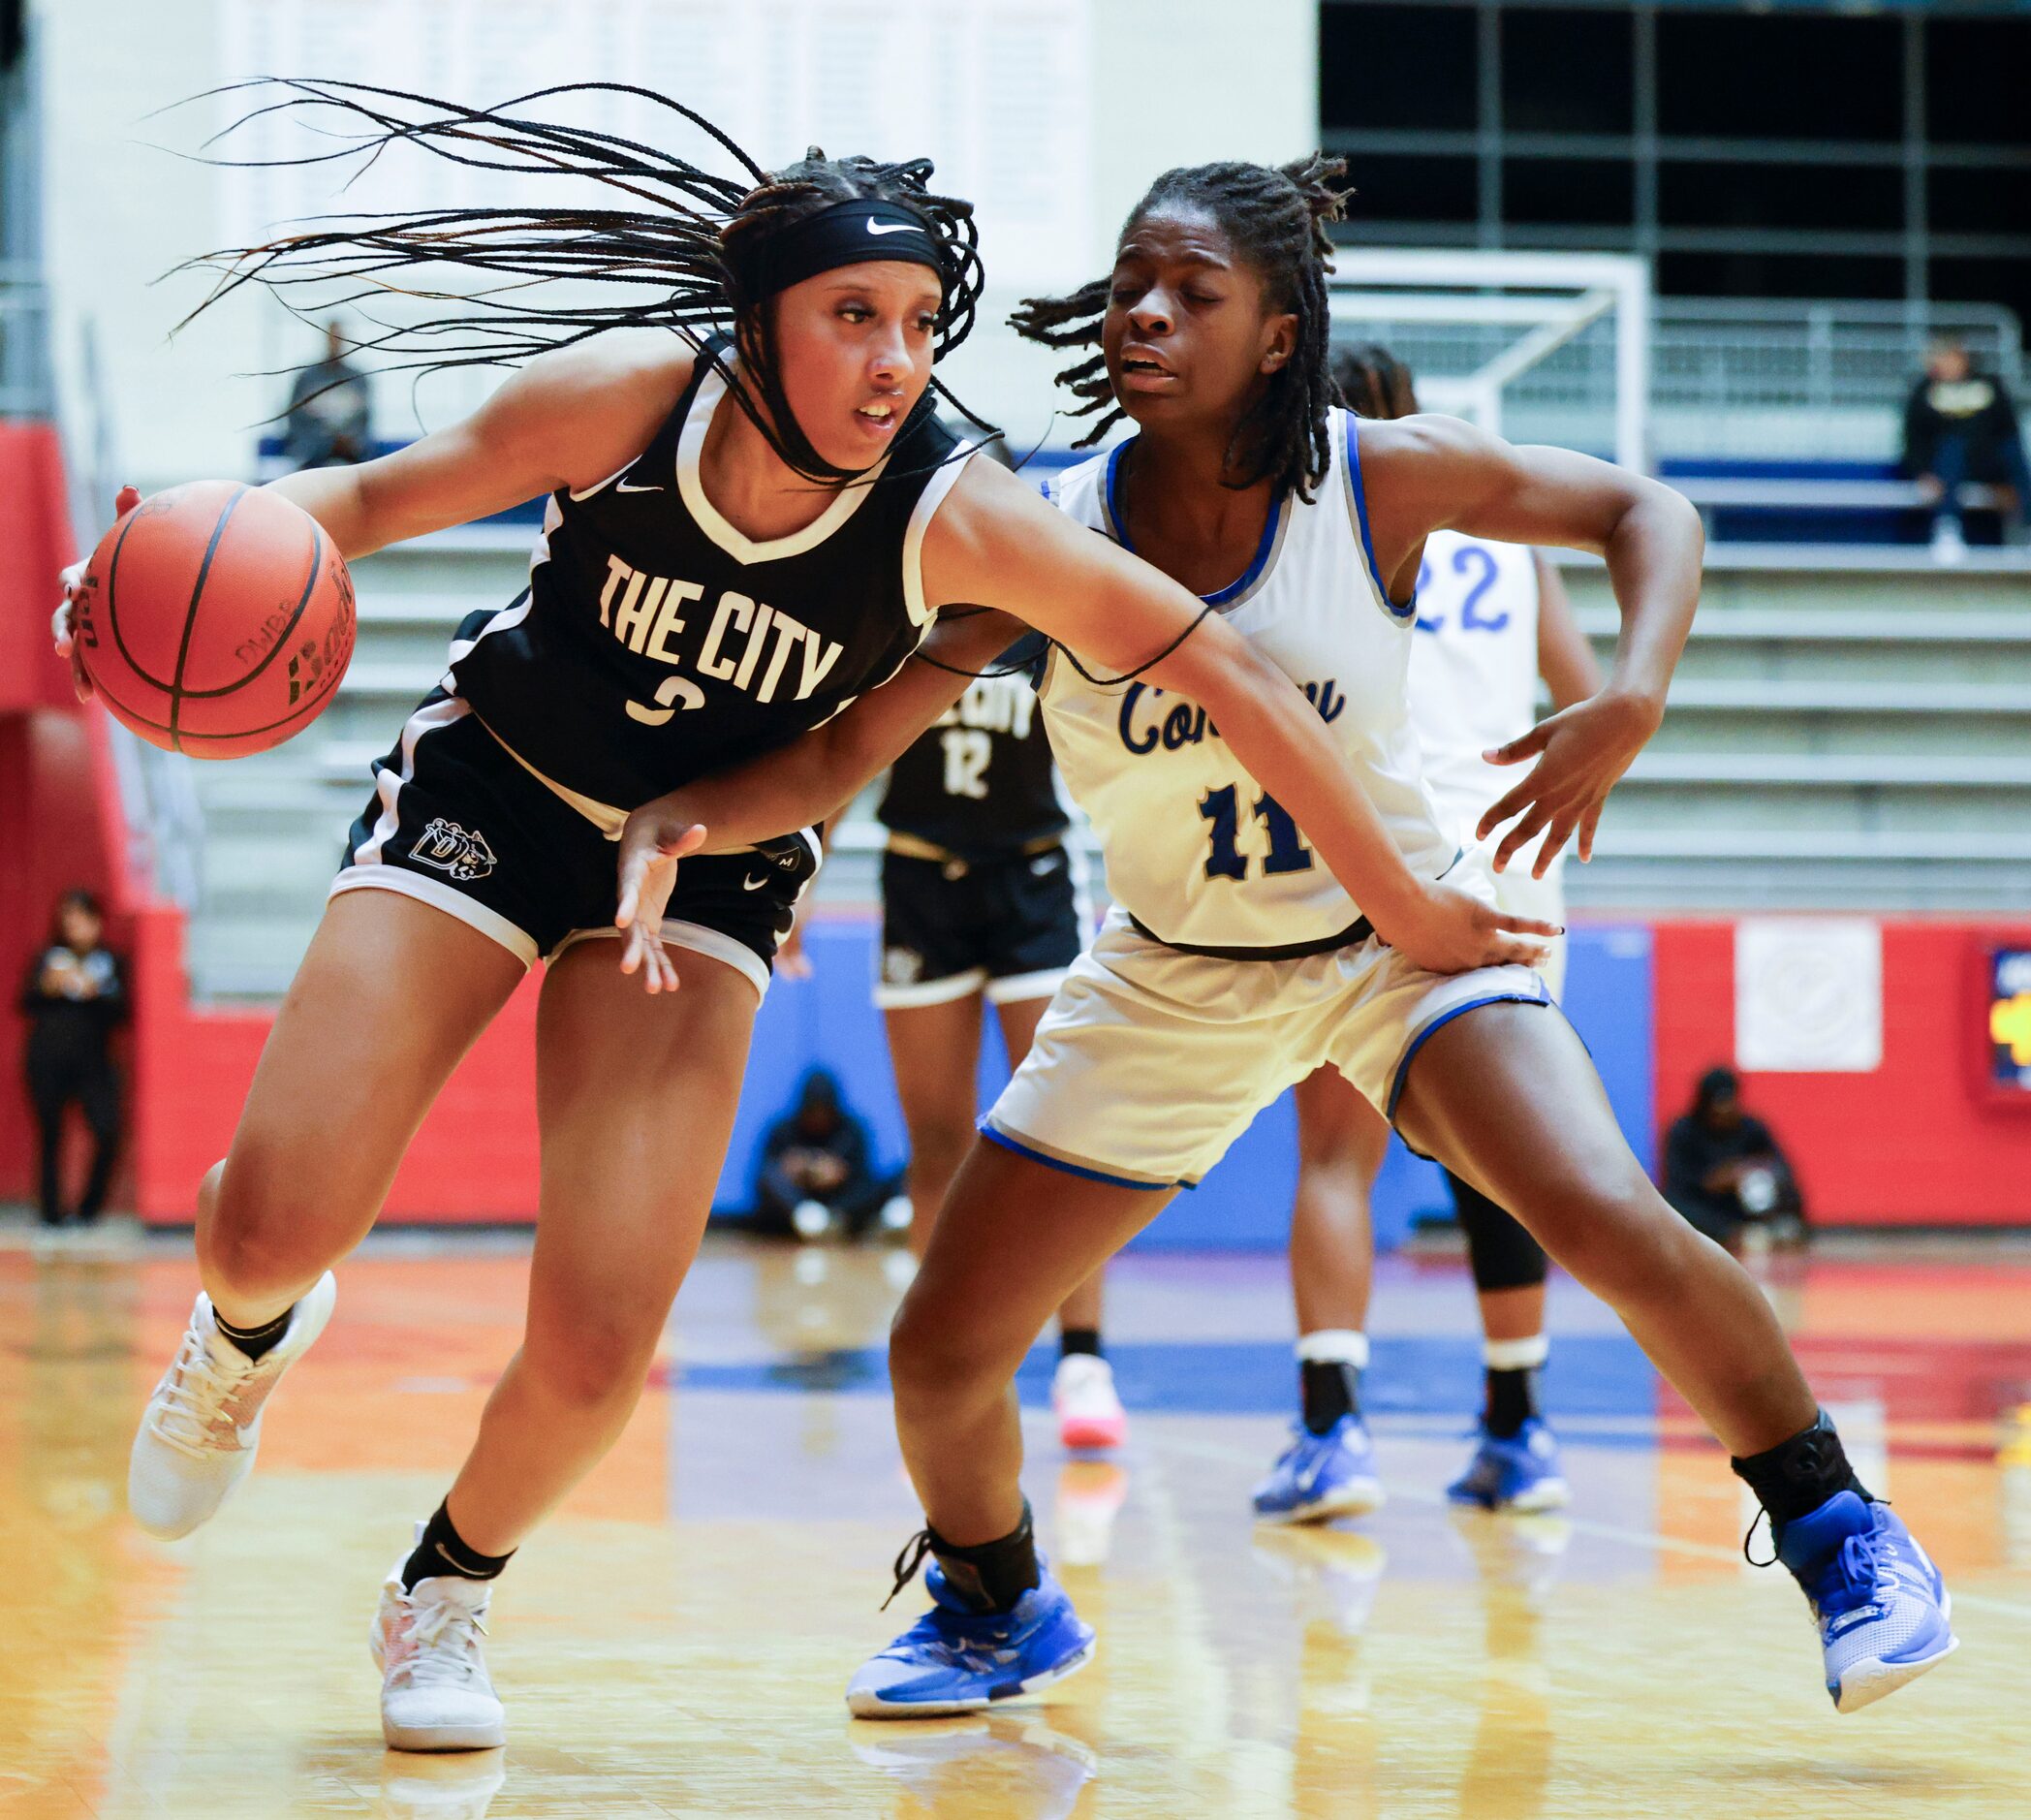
1195, 851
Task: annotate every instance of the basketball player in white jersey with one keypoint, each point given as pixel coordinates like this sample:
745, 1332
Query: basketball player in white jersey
1235, 962
1491, 618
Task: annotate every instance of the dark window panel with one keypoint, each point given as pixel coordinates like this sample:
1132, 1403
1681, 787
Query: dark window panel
1779, 75
1585, 192
2004, 282
1393, 188
1568, 72
1979, 202
1779, 275
1397, 67
1978, 83
1859, 197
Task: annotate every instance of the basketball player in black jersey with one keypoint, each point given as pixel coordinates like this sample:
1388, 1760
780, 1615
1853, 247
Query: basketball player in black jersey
743, 531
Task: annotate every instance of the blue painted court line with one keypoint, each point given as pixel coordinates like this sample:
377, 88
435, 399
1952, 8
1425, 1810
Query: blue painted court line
1603, 1374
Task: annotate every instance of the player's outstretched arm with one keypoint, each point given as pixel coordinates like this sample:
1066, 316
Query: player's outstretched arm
998, 543
568, 419
807, 781
1437, 473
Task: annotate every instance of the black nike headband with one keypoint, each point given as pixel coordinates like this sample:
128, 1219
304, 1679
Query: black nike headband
844, 233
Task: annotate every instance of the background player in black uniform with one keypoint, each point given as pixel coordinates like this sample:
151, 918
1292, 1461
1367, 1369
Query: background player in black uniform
737, 540
982, 901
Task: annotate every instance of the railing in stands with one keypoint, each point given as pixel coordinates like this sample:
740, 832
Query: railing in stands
25, 343
1771, 378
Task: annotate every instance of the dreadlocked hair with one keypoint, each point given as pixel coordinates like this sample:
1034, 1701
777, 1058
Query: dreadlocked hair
1277, 218
1373, 382
671, 244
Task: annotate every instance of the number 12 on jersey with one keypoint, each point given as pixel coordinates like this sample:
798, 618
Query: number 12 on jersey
1225, 859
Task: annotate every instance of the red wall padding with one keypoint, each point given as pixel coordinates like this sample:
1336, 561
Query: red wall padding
474, 1159
1912, 1144
35, 544
61, 823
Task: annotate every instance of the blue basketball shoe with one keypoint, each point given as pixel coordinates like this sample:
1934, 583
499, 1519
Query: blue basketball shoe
954, 1659
1321, 1475
1519, 1473
1880, 1604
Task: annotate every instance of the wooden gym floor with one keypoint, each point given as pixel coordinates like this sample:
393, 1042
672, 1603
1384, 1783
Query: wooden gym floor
676, 1643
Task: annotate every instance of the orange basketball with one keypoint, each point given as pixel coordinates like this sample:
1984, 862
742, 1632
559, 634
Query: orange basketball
216, 619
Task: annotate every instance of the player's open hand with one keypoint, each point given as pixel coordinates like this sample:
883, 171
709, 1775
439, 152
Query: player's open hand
1581, 754
1455, 931
652, 841
63, 629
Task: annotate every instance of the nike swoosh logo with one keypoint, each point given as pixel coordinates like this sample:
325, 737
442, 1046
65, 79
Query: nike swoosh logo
893, 227
754, 884
625, 487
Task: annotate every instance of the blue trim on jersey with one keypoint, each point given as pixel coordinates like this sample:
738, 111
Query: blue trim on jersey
1403, 1068
1256, 563
1408, 611
1008, 1143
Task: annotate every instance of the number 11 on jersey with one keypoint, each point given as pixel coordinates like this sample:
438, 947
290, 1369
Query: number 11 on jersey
1225, 859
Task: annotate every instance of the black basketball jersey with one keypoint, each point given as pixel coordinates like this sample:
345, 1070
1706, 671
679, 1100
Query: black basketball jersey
656, 642
980, 782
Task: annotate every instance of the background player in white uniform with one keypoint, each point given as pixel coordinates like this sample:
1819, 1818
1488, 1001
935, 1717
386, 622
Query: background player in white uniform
1491, 618
1236, 962
737, 544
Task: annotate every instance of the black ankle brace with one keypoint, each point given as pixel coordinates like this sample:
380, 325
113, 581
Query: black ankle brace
991, 1576
1799, 1475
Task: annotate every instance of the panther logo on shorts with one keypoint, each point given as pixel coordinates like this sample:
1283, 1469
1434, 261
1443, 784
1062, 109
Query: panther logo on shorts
901, 966
450, 848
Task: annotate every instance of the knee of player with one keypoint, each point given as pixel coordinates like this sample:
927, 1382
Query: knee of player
930, 1354
937, 1145
601, 1360
1610, 1229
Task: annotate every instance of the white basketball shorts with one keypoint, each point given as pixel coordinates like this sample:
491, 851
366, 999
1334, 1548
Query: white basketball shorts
1150, 1063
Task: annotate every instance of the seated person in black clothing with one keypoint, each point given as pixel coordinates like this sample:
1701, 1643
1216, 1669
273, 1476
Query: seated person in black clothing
1961, 425
817, 1174
74, 997
1724, 1172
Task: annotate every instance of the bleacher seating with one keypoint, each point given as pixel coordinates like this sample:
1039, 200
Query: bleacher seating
1849, 725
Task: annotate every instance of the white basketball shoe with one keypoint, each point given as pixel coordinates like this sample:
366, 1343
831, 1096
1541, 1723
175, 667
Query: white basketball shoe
201, 1427
1089, 1413
435, 1694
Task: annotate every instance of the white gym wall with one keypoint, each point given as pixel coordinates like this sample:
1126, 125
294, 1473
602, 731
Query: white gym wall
1053, 114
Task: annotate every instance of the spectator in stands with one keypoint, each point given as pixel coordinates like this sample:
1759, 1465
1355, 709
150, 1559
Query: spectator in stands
1724, 1172
74, 997
1961, 425
817, 1172
328, 425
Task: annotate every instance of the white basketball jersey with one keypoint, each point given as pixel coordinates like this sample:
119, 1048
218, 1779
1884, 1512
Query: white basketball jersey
1195, 851
1473, 671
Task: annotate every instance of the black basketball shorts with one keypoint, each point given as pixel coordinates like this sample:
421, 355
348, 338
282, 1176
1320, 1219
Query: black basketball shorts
1007, 928
458, 821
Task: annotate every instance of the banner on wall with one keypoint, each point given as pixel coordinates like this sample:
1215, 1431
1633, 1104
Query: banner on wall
1808, 996
2006, 1022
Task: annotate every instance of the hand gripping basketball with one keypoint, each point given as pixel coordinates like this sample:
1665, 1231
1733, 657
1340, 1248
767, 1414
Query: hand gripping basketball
62, 623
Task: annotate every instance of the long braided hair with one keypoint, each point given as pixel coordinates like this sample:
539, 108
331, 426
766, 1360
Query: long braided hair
670, 244
1277, 219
